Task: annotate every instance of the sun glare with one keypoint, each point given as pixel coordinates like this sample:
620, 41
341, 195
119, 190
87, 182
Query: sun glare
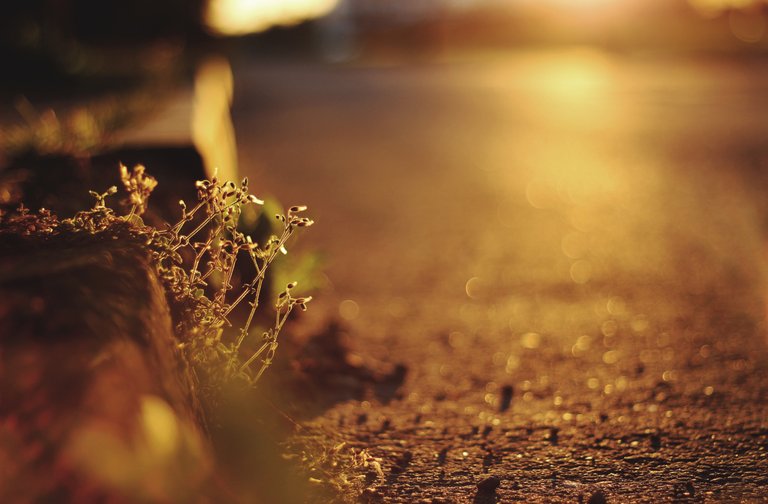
239, 17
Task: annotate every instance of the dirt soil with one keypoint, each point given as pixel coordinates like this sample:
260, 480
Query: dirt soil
548, 271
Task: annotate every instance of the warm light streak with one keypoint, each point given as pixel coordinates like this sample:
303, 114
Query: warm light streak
212, 130
239, 17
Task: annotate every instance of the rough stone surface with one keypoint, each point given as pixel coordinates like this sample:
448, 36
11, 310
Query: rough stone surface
96, 403
586, 228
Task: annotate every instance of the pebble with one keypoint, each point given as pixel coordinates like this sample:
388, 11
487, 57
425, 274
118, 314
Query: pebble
597, 498
506, 397
489, 484
442, 456
402, 463
553, 435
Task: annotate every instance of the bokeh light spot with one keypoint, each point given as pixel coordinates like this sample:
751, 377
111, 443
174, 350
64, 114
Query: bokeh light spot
159, 425
575, 245
530, 340
611, 357
349, 309
616, 306
747, 26
541, 194
513, 362
473, 287
609, 328
581, 271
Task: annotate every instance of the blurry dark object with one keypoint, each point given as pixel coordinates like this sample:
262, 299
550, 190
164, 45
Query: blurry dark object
324, 370
49, 44
61, 183
140, 21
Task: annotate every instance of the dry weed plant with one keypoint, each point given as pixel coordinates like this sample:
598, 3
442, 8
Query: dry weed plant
196, 259
335, 466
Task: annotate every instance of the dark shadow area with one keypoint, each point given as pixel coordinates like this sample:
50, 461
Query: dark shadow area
312, 376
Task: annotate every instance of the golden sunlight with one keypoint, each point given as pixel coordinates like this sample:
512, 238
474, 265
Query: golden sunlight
580, 83
239, 17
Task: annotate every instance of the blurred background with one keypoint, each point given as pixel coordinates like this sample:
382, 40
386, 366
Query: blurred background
470, 152
564, 195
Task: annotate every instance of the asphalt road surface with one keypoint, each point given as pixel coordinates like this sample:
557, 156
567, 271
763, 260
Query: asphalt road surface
566, 249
